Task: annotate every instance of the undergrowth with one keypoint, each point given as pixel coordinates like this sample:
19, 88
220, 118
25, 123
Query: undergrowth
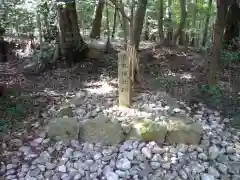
13, 110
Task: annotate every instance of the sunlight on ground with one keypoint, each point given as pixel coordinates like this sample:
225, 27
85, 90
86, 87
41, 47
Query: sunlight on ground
186, 76
127, 113
103, 88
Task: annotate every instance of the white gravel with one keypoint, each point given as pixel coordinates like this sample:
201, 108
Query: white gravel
216, 157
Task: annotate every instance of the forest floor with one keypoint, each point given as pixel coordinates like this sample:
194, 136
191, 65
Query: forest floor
28, 107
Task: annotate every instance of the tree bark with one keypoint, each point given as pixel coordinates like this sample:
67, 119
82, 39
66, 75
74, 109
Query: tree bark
96, 28
47, 35
114, 23
205, 32
232, 25
138, 21
213, 70
146, 31
170, 29
73, 47
160, 20
193, 41
181, 26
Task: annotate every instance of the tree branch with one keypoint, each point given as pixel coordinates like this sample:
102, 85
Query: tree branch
120, 8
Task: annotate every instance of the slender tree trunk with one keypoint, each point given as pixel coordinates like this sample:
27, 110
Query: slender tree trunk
179, 32
73, 47
138, 21
96, 28
205, 31
124, 26
146, 31
108, 44
39, 26
114, 23
213, 73
46, 21
170, 29
160, 20
193, 41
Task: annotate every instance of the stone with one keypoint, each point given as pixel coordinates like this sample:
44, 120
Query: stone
41, 167
101, 129
214, 172
235, 121
214, 152
77, 177
25, 149
147, 152
97, 156
62, 168
205, 176
11, 166
50, 166
126, 128
48, 173
147, 130
183, 130
111, 176
155, 165
158, 150
65, 111
122, 174
35, 172
129, 155
64, 128
183, 174
166, 165
123, 164
222, 168
236, 177
203, 156
16, 142
230, 150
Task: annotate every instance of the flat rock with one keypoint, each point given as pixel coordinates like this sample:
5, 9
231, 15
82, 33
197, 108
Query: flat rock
183, 130
64, 128
235, 121
101, 129
65, 111
148, 130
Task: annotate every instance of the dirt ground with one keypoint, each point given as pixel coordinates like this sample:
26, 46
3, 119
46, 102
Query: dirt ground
169, 69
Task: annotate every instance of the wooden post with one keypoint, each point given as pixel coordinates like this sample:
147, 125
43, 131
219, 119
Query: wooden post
124, 80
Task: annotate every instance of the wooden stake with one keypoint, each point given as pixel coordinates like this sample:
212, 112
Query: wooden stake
124, 80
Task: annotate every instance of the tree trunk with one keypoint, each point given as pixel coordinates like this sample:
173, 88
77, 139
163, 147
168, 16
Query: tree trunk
170, 29
114, 23
193, 41
160, 20
205, 32
73, 47
179, 32
45, 13
232, 25
146, 31
138, 21
124, 25
108, 47
39, 26
213, 70
96, 28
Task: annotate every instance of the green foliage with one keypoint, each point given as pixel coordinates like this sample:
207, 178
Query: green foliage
45, 55
12, 113
213, 93
228, 57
